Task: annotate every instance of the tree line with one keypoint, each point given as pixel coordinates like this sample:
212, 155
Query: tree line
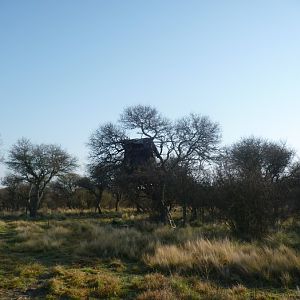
251, 185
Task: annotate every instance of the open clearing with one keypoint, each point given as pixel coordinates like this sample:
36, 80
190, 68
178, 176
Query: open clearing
81, 255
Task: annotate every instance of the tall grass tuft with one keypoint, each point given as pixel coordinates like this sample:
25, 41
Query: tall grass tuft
33, 237
111, 242
227, 260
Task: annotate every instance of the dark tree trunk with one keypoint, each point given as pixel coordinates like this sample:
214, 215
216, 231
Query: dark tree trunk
194, 214
163, 209
202, 214
164, 215
69, 203
33, 200
98, 207
98, 201
33, 207
184, 213
118, 199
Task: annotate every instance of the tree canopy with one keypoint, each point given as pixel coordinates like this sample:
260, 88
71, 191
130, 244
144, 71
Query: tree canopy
38, 165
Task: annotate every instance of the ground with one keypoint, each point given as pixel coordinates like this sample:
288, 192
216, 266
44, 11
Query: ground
81, 255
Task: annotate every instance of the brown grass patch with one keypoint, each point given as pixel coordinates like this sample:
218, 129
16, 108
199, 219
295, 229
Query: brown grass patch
227, 260
78, 284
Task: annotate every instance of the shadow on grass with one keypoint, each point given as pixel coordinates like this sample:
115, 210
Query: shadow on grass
30, 273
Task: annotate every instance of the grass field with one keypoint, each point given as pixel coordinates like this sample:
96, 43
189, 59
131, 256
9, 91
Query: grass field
80, 255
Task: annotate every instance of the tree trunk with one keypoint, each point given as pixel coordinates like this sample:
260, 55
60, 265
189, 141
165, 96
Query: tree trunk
35, 197
164, 209
33, 200
69, 203
99, 209
194, 214
98, 201
202, 214
33, 206
118, 199
184, 213
164, 215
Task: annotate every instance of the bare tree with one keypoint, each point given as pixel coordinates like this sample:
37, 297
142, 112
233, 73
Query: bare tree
106, 157
106, 147
38, 165
190, 141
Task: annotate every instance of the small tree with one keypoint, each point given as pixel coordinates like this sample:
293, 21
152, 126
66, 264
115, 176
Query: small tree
38, 165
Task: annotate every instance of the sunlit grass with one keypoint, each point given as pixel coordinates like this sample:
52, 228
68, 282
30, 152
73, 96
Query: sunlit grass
122, 256
225, 259
75, 283
183, 251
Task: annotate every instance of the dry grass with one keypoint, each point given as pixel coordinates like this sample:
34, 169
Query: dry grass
98, 239
154, 287
77, 284
15, 274
157, 295
99, 258
228, 260
32, 270
37, 237
115, 242
109, 241
183, 250
2, 224
157, 286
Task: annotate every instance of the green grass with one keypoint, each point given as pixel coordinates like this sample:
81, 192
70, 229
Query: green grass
80, 255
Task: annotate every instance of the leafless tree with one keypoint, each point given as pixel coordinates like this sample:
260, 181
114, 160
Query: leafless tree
191, 141
38, 165
106, 146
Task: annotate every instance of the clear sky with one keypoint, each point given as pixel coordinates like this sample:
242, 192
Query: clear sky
67, 66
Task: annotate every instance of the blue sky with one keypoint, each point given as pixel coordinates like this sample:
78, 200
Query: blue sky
67, 66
